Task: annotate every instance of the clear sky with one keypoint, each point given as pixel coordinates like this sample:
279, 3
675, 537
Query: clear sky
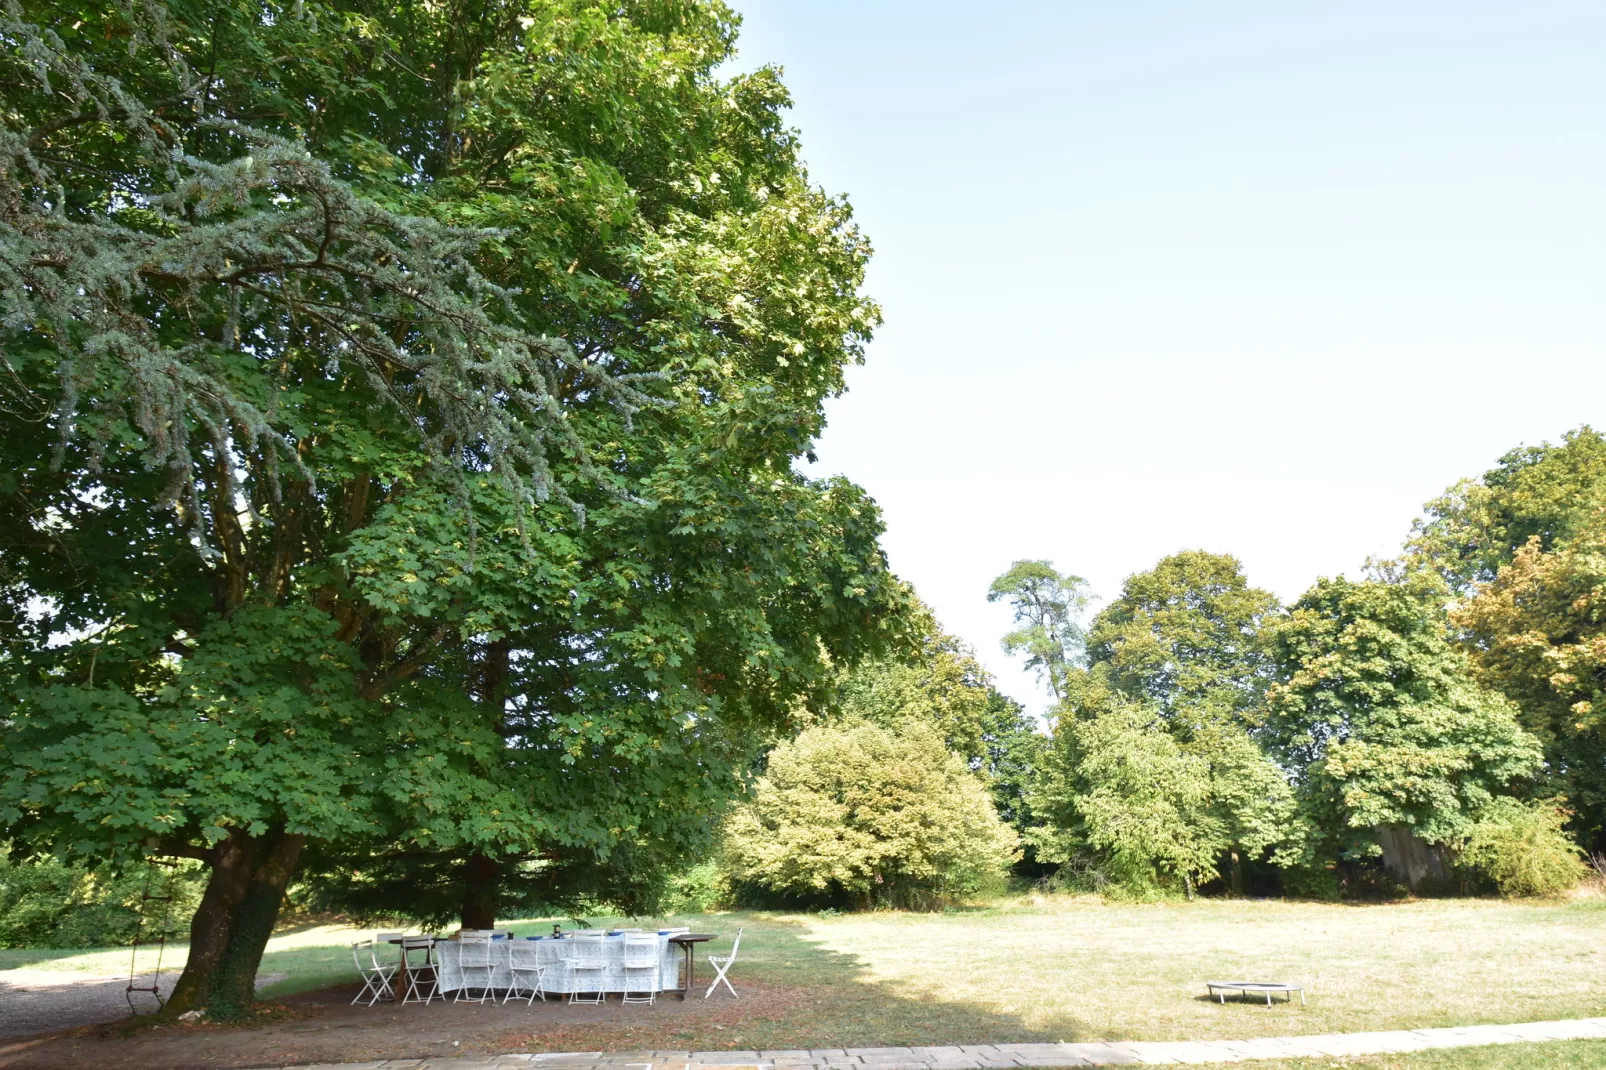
1259, 278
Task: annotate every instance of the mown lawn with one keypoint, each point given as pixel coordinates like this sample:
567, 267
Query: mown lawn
1555, 1055
1079, 969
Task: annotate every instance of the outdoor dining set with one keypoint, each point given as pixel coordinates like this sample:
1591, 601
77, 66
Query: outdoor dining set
474, 965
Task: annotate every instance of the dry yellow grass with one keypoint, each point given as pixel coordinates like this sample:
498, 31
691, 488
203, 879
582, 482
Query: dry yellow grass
1082, 969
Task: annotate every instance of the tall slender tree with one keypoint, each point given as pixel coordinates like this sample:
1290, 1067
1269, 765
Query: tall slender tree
1048, 609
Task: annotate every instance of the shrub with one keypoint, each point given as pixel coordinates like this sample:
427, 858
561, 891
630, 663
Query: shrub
1523, 849
45, 903
700, 888
857, 813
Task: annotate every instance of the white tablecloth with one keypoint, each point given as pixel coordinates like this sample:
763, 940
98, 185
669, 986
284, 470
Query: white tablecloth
551, 953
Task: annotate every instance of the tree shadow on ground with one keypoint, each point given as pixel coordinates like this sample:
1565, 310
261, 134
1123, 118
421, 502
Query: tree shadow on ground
793, 994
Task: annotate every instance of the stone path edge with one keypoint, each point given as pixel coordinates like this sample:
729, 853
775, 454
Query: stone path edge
991, 1056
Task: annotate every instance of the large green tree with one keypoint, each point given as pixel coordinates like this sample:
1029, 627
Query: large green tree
1148, 805
1521, 547
940, 684
1537, 633
1185, 635
1392, 742
1154, 768
1547, 492
316, 531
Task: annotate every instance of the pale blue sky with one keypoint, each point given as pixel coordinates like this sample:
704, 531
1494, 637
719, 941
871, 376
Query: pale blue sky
1258, 278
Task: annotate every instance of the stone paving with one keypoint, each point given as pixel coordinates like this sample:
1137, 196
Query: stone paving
989, 1056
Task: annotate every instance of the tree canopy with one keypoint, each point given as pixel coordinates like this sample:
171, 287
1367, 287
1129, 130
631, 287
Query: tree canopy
1376, 712
1048, 607
1185, 635
1546, 492
943, 687
400, 439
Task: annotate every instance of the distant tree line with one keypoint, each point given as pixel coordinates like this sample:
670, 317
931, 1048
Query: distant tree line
1434, 726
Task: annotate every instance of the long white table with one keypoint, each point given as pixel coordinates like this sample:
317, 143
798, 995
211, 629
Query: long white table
551, 953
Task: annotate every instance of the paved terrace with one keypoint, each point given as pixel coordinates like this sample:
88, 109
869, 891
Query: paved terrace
988, 1056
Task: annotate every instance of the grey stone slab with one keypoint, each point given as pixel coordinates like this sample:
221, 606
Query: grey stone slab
979, 1049
1184, 1051
1106, 1053
1391, 1042
802, 1053
1040, 1054
1583, 1029
882, 1051
1157, 1057
725, 1058
568, 1056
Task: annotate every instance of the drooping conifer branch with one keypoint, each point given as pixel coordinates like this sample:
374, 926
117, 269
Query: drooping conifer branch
151, 299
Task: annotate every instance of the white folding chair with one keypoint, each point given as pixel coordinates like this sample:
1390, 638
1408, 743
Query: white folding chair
525, 965
423, 978
474, 954
588, 959
721, 963
375, 974
642, 961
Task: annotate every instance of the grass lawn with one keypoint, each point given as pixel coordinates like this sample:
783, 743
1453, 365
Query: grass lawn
1557, 1055
1079, 969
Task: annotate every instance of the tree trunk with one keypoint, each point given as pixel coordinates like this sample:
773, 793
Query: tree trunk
482, 877
1420, 865
1237, 872
480, 881
233, 987
226, 885
231, 926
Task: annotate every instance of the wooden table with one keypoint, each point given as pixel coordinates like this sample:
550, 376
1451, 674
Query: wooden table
400, 984
688, 942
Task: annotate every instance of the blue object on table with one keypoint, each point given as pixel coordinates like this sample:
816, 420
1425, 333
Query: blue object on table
535, 938
498, 936
663, 932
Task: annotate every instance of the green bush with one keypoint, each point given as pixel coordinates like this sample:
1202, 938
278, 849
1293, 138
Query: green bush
44, 903
699, 889
1523, 849
865, 816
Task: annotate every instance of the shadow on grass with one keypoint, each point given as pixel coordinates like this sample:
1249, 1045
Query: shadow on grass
794, 993
831, 1000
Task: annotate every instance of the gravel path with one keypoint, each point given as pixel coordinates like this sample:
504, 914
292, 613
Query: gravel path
39, 1001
